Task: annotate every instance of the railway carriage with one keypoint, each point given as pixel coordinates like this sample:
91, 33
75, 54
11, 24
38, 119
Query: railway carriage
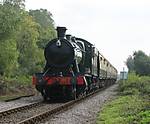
73, 67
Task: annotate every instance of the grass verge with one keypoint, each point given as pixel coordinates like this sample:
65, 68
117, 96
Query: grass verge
132, 106
125, 110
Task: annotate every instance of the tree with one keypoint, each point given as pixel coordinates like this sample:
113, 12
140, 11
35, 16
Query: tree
142, 63
9, 21
43, 17
8, 57
139, 62
23, 35
46, 23
30, 56
20, 4
130, 63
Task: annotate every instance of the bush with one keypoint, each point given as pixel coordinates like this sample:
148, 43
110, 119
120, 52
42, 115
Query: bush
144, 85
144, 117
2, 86
135, 85
10, 85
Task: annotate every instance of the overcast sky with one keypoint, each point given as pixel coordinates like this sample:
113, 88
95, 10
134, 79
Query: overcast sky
116, 27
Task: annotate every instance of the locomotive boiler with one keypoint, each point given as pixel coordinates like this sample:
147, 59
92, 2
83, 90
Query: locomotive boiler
73, 67
62, 52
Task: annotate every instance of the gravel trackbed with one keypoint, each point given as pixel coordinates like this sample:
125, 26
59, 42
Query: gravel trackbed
85, 112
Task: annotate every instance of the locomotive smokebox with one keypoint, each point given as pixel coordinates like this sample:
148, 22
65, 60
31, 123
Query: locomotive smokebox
62, 52
61, 31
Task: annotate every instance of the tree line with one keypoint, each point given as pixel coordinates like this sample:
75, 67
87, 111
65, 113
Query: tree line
139, 62
23, 36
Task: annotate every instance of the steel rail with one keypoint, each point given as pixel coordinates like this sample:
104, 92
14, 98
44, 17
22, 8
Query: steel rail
17, 109
15, 98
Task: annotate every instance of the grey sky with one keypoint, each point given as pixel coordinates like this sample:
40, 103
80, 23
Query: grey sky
116, 27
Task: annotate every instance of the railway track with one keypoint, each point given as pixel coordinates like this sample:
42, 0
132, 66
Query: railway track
36, 112
37, 118
16, 109
16, 115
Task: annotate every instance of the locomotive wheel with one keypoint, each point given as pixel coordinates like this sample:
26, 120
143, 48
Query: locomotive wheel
44, 95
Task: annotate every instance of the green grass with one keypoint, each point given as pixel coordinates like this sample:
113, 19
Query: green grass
132, 105
125, 110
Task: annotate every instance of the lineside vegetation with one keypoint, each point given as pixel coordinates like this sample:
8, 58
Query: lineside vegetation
23, 35
132, 106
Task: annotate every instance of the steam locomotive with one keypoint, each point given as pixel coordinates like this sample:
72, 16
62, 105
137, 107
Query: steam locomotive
73, 67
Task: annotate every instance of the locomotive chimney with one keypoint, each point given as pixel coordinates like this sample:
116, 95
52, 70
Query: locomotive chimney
61, 31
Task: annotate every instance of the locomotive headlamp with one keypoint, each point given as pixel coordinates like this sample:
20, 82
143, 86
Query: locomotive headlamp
58, 43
